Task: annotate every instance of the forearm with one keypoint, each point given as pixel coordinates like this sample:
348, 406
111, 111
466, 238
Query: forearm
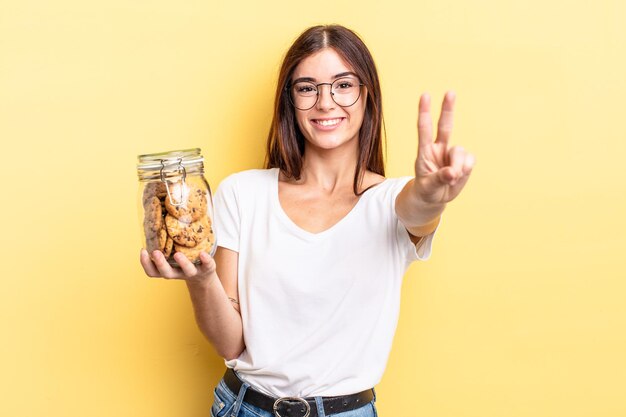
220, 323
419, 218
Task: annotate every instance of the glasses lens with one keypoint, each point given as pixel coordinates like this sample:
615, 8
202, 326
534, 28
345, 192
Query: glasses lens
346, 91
304, 95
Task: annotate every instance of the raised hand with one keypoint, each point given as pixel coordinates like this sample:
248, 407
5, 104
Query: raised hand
441, 171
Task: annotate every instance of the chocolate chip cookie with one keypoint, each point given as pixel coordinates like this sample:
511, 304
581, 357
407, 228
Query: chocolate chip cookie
153, 215
187, 234
186, 201
154, 189
193, 254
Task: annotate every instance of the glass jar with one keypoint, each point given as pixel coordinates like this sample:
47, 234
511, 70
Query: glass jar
175, 204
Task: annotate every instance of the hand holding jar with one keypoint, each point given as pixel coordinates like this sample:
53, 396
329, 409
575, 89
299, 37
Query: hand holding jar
176, 213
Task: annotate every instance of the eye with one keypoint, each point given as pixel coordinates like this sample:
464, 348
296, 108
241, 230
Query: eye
345, 83
304, 88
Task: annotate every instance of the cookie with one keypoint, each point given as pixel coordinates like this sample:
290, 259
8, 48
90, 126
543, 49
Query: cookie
156, 240
193, 254
153, 216
154, 189
187, 234
169, 245
192, 199
152, 242
162, 238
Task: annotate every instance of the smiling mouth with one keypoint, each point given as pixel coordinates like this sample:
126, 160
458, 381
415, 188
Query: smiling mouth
328, 122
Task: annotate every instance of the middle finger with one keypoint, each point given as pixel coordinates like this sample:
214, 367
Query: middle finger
188, 268
444, 127
163, 266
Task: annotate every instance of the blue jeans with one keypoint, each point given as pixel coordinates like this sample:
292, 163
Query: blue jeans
230, 404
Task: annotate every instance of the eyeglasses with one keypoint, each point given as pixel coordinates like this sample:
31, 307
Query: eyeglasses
305, 94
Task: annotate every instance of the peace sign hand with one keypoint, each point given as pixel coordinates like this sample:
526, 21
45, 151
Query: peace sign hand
440, 171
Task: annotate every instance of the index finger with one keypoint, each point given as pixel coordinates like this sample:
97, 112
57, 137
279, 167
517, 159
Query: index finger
424, 123
147, 264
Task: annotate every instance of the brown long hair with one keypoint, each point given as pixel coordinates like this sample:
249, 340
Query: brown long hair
285, 142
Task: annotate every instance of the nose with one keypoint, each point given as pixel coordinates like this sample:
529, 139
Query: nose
325, 99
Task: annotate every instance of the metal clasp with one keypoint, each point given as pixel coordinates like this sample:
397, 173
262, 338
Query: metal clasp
181, 169
278, 401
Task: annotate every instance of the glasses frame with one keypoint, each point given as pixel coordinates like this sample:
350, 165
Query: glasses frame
317, 94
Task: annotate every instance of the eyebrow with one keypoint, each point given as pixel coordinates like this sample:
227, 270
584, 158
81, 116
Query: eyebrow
311, 79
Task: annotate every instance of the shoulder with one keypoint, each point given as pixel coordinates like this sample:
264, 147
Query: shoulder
248, 179
371, 179
384, 185
384, 194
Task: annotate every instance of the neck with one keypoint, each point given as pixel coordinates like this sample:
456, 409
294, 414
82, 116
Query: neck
329, 169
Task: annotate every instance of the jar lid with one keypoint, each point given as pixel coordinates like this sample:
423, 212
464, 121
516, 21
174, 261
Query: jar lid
169, 165
156, 161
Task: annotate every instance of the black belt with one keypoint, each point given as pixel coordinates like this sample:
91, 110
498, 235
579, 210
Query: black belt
297, 407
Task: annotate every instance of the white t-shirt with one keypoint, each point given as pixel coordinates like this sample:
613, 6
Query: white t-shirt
319, 310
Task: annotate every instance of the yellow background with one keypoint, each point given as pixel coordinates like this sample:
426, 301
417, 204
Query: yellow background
521, 310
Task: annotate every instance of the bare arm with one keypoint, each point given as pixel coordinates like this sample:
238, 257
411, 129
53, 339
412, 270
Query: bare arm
210, 285
419, 219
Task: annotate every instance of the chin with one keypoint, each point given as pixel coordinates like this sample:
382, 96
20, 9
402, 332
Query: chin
331, 143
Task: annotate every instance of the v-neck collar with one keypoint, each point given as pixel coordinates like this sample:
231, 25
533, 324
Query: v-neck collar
278, 208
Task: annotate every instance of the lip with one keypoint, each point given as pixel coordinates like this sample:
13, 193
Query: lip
329, 127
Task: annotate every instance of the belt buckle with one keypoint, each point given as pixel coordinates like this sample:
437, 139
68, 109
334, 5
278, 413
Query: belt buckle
278, 401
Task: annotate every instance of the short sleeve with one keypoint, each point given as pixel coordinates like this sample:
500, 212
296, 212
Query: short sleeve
227, 214
414, 252
420, 251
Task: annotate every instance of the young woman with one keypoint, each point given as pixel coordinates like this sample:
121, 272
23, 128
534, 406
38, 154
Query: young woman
302, 298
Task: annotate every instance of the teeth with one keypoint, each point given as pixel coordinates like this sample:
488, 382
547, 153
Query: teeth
328, 122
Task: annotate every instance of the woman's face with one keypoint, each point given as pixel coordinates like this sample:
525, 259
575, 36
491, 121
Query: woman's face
327, 125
